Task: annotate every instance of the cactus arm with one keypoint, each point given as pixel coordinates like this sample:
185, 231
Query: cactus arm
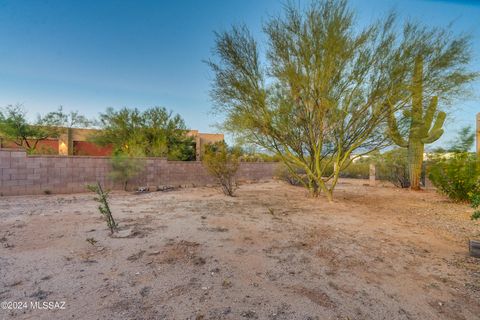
430, 112
393, 130
417, 89
437, 130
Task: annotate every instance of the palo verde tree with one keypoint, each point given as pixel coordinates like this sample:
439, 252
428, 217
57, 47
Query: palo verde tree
464, 141
317, 99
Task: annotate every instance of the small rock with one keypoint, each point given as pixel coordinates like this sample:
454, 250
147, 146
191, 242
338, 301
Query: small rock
198, 261
165, 188
123, 234
142, 189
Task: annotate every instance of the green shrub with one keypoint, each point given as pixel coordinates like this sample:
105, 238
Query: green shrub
457, 176
475, 198
125, 168
222, 164
393, 166
283, 173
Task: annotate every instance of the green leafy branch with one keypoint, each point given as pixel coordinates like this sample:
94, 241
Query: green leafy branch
104, 208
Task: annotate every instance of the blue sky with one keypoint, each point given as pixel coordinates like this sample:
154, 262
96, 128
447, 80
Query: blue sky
88, 55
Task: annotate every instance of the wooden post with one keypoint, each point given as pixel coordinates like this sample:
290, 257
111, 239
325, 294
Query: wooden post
475, 248
478, 134
372, 174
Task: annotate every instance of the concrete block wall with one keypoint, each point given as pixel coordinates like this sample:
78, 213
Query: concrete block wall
22, 174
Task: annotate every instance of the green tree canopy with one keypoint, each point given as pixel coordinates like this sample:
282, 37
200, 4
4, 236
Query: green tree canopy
153, 133
318, 95
72, 119
15, 127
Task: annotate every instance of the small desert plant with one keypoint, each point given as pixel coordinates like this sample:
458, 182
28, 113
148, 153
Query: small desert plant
222, 164
125, 168
104, 208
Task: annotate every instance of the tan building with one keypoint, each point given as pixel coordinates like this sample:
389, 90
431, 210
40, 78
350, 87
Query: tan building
202, 139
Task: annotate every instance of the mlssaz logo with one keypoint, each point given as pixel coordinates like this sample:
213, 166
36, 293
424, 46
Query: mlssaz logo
48, 305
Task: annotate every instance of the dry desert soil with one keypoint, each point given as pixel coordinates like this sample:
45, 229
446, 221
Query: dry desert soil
268, 253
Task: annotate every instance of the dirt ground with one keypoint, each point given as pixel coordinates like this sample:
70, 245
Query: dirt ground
268, 253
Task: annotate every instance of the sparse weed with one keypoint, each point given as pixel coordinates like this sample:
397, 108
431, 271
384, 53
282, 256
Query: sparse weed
104, 208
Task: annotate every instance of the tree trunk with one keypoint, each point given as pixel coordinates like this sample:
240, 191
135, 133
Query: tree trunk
314, 190
415, 161
329, 194
329, 190
321, 186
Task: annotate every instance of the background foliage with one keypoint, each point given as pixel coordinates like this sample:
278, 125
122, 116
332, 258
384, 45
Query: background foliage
155, 132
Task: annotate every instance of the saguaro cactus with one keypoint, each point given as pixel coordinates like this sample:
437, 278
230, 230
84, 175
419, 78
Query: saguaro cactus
421, 131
